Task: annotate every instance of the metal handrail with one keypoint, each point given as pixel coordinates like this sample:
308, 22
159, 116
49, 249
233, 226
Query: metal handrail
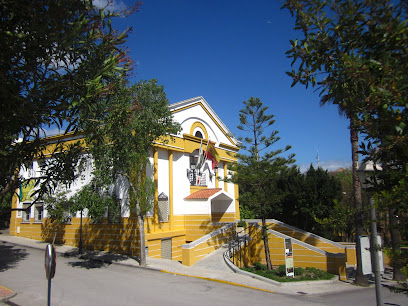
235, 244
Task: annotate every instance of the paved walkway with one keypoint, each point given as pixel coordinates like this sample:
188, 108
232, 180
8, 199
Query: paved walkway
212, 267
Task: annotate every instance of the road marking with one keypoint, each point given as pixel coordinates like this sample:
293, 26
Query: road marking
218, 281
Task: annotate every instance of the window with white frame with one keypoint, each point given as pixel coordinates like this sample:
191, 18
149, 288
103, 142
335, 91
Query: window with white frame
26, 212
38, 212
114, 212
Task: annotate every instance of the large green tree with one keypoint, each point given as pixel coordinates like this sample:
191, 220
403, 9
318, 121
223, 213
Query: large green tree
331, 30
309, 201
258, 171
59, 58
122, 142
355, 53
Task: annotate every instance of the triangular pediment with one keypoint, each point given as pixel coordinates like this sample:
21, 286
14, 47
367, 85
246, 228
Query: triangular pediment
198, 119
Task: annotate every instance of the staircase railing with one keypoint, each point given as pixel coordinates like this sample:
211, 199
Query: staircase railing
236, 244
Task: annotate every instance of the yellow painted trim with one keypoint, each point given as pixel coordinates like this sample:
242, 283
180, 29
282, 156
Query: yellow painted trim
218, 281
171, 189
208, 113
172, 142
216, 179
237, 212
201, 126
227, 146
196, 188
156, 184
155, 236
225, 176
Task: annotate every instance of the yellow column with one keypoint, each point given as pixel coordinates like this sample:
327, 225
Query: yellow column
216, 178
171, 189
13, 221
237, 213
225, 176
156, 184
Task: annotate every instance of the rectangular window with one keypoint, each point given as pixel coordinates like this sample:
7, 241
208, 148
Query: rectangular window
26, 212
38, 212
114, 213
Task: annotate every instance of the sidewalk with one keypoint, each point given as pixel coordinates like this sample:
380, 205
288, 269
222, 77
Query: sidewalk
212, 267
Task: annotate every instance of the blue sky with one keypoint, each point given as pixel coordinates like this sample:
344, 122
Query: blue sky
228, 51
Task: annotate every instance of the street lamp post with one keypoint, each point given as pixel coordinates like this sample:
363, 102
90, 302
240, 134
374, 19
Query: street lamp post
366, 174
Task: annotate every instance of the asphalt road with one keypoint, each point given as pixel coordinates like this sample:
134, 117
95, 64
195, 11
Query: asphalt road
87, 282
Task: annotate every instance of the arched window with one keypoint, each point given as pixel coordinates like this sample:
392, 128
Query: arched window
198, 134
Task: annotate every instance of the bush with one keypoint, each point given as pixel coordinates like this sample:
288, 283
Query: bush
299, 271
279, 274
242, 223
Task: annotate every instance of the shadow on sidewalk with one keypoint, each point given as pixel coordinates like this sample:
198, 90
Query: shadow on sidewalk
10, 256
94, 259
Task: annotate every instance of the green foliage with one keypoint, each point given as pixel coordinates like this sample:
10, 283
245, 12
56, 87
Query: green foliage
355, 53
93, 197
96, 199
121, 143
5, 205
144, 193
59, 59
310, 200
137, 116
245, 211
257, 173
242, 223
279, 274
58, 206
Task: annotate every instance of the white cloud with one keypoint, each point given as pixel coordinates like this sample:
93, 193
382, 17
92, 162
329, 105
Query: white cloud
330, 165
110, 5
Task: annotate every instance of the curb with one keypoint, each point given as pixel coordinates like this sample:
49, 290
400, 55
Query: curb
264, 279
218, 281
6, 294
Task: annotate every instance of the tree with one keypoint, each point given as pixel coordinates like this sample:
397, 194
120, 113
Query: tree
121, 143
258, 172
319, 194
355, 52
58, 59
331, 31
345, 205
309, 201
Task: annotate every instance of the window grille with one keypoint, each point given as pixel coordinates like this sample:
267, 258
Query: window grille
196, 177
27, 212
163, 207
38, 212
114, 213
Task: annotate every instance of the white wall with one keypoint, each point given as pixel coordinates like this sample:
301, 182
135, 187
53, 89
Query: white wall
197, 207
181, 184
196, 113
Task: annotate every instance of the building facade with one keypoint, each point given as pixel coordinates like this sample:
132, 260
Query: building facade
190, 202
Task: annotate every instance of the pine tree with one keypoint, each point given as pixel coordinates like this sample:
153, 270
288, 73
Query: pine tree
257, 172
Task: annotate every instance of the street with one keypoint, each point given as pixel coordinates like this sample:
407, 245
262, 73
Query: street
87, 282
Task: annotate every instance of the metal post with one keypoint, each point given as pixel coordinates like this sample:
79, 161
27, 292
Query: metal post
374, 247
80, 236
49, 292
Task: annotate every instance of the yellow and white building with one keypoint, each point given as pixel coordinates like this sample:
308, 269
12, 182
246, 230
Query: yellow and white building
189, 205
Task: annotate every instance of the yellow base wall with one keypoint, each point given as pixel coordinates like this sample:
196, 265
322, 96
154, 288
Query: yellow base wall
192, 255
122, 238
302, 256
315, 241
